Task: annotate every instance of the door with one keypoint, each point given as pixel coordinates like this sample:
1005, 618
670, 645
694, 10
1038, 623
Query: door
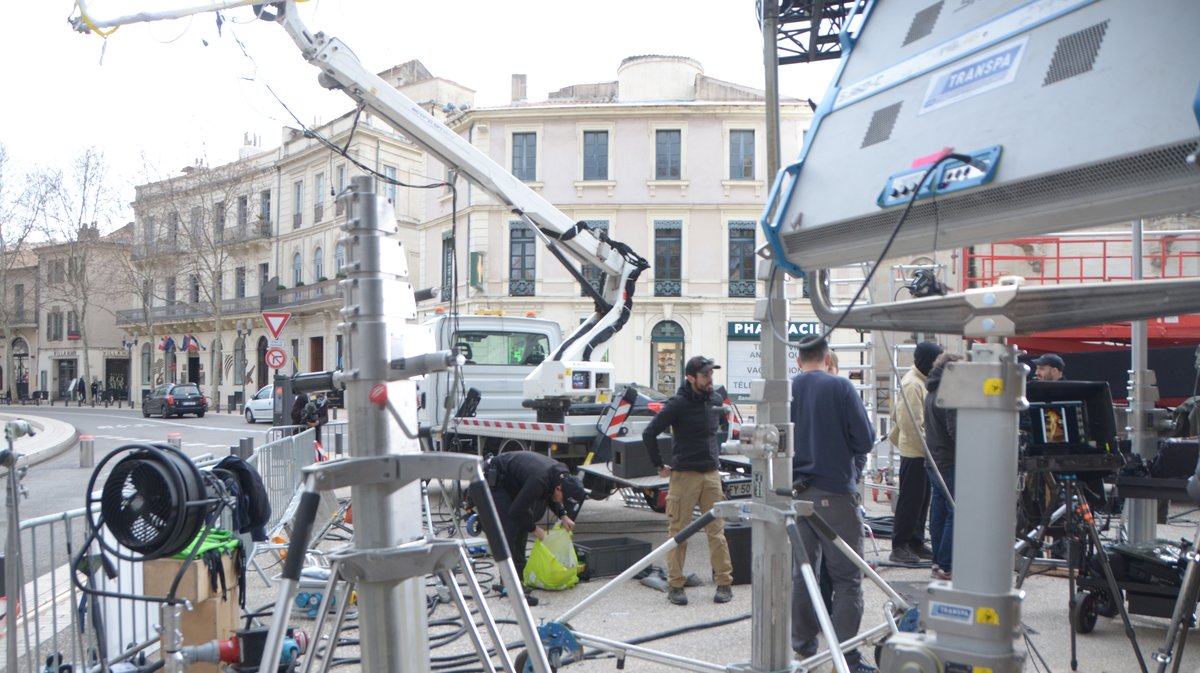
66, 378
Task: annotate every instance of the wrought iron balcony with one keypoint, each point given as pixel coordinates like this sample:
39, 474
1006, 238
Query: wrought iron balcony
741, 288
22, 318
324, 291
185, 311
668, 288
521, 288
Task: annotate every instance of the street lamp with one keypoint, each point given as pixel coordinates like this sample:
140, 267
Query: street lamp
243, 332
128, 341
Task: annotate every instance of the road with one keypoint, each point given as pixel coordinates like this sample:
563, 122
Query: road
60, 484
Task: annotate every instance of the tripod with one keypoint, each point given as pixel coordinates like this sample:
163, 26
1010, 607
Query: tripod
1081, 532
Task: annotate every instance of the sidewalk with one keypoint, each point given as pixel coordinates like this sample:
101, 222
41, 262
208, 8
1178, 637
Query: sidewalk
51, 437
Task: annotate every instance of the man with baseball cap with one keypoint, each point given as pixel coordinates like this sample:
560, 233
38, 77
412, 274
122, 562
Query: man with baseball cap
1050, 367
694, 414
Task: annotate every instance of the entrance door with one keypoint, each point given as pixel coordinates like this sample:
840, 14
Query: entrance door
193, 373
666, 356
67, 373
260, 363
316, 354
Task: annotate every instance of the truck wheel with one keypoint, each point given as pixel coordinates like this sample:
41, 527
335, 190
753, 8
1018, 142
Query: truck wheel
513, 445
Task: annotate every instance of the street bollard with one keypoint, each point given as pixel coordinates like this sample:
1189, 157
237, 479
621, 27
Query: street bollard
246, 447
87, 451
337, 444
175, 439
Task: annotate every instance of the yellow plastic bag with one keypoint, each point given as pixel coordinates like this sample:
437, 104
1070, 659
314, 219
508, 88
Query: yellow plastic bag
552, 563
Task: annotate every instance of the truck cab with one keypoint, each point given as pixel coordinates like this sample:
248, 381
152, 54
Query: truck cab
500, 352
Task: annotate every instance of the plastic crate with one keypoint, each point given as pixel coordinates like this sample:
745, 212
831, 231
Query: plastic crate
610, 556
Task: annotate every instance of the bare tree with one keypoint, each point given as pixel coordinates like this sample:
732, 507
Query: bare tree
23, 201
208, 225
81, 203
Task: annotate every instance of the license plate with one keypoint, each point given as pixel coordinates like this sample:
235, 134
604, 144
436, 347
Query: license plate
187, 404
738, 489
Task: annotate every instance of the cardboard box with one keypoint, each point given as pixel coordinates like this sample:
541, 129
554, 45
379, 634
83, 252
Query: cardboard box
195, 586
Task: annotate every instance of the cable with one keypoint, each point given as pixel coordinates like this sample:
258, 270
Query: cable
874, 267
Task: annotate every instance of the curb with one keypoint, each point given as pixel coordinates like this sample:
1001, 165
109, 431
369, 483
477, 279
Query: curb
41, 452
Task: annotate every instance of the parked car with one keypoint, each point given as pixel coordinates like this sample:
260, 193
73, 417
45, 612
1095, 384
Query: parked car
261, 406
175, 399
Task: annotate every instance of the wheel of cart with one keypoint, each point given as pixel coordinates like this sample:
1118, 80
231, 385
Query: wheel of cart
1083, 611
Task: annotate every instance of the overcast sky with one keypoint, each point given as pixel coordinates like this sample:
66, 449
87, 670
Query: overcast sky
174, 92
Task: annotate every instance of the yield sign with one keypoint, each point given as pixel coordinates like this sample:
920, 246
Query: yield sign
276, 322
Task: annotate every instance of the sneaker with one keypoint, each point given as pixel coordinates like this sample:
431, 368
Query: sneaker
904, 556
922, 551
724, 594
677, 596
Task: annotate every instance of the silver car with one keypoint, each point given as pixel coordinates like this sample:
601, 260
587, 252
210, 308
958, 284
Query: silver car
261, 407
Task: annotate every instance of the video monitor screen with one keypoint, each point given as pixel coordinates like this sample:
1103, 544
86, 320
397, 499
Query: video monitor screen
1058, 424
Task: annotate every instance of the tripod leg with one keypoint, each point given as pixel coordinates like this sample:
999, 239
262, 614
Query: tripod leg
1090, 527
1072, 560
814, 594
1185, 606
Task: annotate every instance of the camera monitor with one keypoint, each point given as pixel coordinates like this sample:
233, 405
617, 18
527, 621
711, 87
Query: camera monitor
1065, 121
1069, 417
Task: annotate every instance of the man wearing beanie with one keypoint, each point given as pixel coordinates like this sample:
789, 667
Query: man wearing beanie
912, 500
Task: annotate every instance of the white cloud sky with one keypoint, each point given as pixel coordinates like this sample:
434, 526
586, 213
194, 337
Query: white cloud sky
178, 91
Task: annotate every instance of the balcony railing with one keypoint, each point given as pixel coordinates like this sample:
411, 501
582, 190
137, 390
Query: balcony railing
741, 288
247, 233
668, 288
183, 311
23, 319
521, 288
323, 291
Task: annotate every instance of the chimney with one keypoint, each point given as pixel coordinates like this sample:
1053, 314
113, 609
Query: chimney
518, 89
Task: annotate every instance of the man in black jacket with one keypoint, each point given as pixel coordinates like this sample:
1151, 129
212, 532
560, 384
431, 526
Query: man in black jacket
524, 485
693, 414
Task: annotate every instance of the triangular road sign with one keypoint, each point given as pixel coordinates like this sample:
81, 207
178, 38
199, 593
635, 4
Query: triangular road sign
276, 322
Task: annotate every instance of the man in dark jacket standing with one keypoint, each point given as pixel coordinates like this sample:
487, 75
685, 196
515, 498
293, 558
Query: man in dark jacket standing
694, 413
832, 439
941, 429
524, 484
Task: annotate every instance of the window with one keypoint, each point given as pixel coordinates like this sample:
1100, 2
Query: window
522, 269
595, 155
57, 272
264, 209
319, 198
339, 257
173, 229
19, 302
264, 277
297, 204
239, 282
72, 325
170, 291
591, 272
524, 156
243, 210
447, 266
741, 258
741, 155
668, 255
195, 221
389, 187
74, 270
194, 289
502, 348
297, 270
340, 184
146, 364
667, 154
54, 326
148, 230
318, 264
219, 221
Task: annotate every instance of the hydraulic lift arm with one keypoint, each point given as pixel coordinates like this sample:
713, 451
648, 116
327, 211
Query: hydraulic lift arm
569, 370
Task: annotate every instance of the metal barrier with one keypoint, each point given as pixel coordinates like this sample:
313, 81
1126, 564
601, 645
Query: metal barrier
59, 623
333, 435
